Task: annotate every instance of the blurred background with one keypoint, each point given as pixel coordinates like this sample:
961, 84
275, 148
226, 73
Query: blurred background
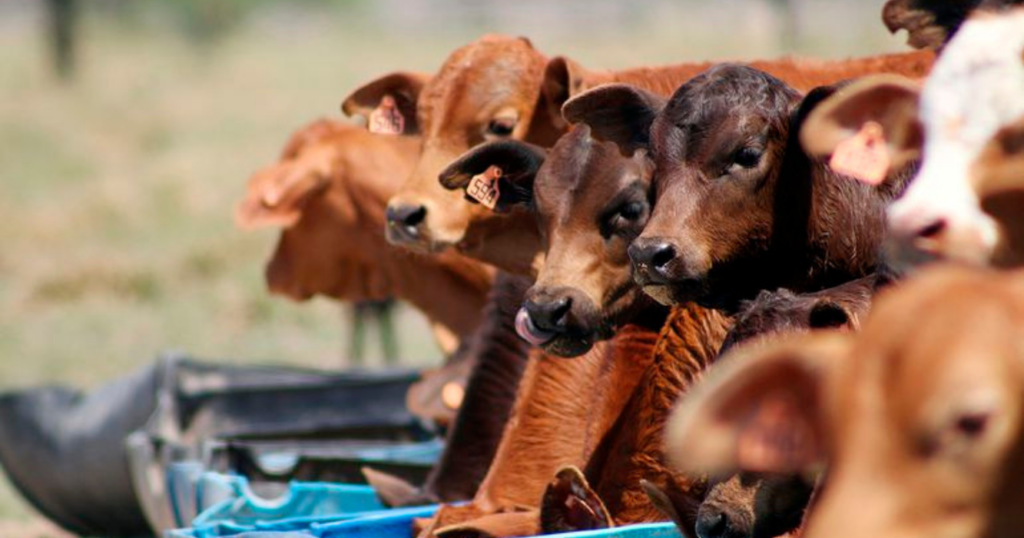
128, 130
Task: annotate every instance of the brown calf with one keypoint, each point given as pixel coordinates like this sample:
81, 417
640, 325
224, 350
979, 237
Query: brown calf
328, 193
919, 417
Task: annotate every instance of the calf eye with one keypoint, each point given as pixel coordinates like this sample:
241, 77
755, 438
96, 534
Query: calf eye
971, 425
624, 219
632, 211
747, 157
501, 126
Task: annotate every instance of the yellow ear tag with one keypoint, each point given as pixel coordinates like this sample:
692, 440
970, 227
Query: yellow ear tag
386, 118
484, 187
863, 156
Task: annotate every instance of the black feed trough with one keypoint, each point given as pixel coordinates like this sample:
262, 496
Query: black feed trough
95, 463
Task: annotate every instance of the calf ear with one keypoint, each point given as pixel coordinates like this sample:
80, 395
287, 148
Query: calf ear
619, 113
563, 78
883, 106
760, 409
403, 86
277, 195
518, 162
929, 23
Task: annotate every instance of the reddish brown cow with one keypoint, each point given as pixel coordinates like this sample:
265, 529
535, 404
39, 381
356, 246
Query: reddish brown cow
919, 418
328, 193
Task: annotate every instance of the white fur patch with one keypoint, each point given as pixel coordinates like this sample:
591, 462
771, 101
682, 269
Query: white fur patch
975, 88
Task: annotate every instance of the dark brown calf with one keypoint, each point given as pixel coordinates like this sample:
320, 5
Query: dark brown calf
738, 206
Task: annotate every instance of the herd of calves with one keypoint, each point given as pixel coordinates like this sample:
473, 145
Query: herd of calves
756, 299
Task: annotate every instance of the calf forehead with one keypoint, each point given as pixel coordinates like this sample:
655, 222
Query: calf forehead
486, 72
725, 96
579, 177
978, 83
937, 338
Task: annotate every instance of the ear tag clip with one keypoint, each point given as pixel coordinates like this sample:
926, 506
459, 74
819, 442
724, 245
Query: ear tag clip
386, 118
863, 156
484, 187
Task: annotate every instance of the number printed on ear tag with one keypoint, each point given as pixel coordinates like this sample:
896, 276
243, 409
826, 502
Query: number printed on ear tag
386, 118
484, 187
863, 156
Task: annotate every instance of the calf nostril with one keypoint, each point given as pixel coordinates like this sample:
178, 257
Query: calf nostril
663, 255
933, 229
559, 309
415, 217
405, 215
549, 315
713, 525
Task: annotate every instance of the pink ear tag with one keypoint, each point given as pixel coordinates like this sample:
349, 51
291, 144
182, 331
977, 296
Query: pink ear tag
386, 118
484, 187
863, 156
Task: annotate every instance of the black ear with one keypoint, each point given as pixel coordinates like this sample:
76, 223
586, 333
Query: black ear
518, 161
403, 87
619, 113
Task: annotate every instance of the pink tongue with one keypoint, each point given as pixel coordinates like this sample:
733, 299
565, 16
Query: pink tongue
527, 331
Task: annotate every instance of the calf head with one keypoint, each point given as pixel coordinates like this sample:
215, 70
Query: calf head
329, 212
589, 202
973, 91
920, 417
737, 205
496, 88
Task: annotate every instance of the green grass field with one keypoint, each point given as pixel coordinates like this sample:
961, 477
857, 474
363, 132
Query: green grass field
116, 191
